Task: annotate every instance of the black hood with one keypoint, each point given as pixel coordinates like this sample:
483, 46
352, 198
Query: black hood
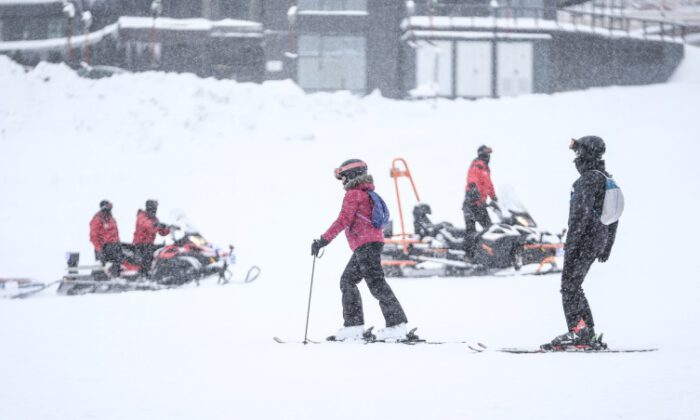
583, 165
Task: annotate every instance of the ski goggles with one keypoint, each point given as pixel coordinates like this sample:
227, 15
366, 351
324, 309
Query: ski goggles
575, 146
349, 166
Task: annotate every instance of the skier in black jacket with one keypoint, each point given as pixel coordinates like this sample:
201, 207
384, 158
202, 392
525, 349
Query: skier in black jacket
588, 239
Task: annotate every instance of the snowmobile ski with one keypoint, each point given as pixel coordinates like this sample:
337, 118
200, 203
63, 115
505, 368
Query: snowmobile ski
34, 291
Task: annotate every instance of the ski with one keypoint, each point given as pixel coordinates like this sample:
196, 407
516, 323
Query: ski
308, 341
478, 348
369, 338
525, 350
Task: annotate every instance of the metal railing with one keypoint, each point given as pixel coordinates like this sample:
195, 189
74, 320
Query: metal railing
579, 20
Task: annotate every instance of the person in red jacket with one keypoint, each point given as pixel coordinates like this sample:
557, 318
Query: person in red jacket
104, 235
147, 226
479, 188
366, 242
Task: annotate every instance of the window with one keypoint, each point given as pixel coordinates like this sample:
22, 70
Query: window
56, 28
332, 63
332, 5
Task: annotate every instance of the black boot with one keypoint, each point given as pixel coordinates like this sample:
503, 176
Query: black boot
580, 337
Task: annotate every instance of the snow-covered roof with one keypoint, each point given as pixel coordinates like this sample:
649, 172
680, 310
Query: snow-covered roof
53, 43
26, 2
195, 24
437, 26
477, 35
332, 13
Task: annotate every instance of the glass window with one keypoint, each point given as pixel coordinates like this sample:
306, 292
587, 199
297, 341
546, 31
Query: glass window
332, 5
57, 28
332, 63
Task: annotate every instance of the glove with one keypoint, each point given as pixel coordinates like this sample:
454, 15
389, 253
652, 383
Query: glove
99, 256
317, 244
603, 257
161, 226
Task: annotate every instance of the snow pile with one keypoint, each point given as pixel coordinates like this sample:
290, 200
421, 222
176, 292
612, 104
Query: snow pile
252, 165
688, 71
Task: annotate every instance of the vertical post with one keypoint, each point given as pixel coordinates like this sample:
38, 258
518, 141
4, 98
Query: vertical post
69, 13
292, 53
156, 10
494, 50
86, 18
69, 46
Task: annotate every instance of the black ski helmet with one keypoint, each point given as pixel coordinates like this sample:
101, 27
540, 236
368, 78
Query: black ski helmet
151, 206
421, 209
484, 153
105, 205
588, 147
484, 150
350, 169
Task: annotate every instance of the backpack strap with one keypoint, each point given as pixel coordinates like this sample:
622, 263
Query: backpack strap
600, 172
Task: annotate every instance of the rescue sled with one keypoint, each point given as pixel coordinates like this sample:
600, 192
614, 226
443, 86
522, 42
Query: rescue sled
438, 249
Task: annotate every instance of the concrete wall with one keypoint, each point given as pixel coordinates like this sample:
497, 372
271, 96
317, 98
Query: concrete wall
383, 41
572, 61
578, 61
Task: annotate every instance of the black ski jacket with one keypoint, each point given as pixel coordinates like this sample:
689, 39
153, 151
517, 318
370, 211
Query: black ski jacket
587, 234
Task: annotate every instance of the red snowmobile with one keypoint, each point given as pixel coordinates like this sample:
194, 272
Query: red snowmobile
186, 259
438, 249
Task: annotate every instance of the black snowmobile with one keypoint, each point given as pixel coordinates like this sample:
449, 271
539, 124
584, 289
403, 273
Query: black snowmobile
438, 249
188, 258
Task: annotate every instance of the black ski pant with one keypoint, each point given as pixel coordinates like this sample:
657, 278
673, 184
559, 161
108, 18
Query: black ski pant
111, 252
366, 263
144, 256
473, 213
577, 262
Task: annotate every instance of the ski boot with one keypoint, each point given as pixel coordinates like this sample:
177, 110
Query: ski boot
392, 334
581, 337
353, 333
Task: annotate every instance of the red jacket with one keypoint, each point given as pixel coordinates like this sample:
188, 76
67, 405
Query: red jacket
355, 218
146, 229
480, 175
103, 230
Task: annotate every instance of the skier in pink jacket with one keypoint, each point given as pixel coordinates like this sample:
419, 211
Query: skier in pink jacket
366, 242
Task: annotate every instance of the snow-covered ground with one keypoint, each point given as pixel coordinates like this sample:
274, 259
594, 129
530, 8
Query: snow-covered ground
252, 165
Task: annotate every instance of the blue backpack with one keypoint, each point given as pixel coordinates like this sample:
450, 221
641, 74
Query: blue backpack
380, 212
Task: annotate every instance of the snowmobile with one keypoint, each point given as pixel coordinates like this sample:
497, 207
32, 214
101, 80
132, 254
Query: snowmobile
438, 249
189, 258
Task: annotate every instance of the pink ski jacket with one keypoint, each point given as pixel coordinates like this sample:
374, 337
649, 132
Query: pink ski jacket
355, 218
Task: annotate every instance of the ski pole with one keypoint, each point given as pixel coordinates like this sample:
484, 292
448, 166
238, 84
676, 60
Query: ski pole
308, 309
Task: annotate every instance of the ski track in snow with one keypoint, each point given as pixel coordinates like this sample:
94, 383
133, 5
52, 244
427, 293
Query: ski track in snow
252, 166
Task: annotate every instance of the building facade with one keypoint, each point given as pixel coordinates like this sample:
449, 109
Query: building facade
404, 49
